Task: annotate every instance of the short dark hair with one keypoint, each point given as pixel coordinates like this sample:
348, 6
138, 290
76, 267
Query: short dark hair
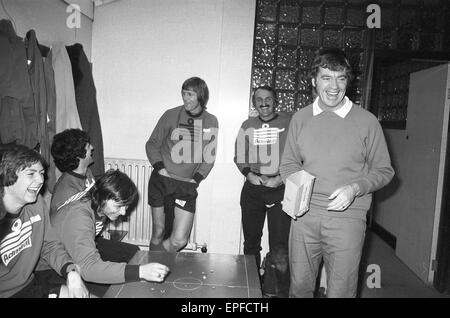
68, 147
113, 185
333, 59
266, 88
199, 87
15, 158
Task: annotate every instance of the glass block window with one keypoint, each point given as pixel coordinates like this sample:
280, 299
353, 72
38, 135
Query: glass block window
392, 88
289, 32
287, 35
414, 25
412, 32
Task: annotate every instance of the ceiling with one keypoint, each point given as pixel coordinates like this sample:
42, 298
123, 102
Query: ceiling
102, 2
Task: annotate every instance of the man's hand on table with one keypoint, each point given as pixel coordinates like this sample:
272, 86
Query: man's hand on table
153, 272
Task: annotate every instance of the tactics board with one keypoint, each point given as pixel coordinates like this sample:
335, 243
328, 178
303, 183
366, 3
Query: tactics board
194, 275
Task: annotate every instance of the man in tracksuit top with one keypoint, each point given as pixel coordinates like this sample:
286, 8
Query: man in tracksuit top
258, 150
182, 151
73, 154
343, 146
26, 234
79, 222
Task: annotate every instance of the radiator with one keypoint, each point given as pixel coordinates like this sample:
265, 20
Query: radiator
138, 223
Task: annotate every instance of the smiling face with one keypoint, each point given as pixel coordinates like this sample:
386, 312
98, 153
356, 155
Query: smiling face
112, 210
25, 190
264, 104
190, 100
330, 86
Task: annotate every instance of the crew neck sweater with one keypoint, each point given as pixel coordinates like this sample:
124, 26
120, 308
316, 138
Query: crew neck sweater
184, 144
338, 151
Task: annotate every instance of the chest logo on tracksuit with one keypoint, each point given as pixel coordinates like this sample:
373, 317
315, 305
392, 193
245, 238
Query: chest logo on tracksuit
266, 135
193, 143
190, 131
99, 226
18, 240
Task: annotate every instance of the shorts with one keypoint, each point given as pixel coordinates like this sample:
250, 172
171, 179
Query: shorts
183, 193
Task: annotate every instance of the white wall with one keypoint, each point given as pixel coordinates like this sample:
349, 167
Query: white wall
142, 52
48, 18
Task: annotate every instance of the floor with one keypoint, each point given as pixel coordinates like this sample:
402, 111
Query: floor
397, 280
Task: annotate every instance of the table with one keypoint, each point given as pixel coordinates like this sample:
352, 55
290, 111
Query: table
194, 275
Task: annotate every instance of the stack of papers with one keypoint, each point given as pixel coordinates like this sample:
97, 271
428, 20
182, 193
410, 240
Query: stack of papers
297, 193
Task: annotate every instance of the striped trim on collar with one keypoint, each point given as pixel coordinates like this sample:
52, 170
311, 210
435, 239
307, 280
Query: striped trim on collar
76, 196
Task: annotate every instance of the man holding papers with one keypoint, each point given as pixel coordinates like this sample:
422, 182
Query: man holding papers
343, 147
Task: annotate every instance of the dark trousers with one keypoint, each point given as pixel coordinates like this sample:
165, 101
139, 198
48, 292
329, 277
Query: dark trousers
43, 284
256, 202
112, 251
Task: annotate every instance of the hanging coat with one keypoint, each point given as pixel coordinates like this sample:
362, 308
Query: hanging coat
18, 120
86, 98
51, 113
66, 107
38, 85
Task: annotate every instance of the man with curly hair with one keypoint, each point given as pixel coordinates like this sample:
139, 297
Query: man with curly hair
72, 153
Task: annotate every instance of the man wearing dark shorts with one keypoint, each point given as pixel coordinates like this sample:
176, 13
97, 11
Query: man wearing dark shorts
182, 150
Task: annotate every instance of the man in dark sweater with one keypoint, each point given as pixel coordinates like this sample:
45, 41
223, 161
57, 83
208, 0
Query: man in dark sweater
258, 150
78, 223
73, 155
343, 146
26, 234
182, 151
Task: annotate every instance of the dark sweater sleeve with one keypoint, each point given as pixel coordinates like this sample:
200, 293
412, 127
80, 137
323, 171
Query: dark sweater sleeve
241, 148
131, 273
77, 234
210, 151
158, 165
154, 143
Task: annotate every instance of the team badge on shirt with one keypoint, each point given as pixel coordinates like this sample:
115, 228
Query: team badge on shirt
18, 240
191, 131
98, 227
266, 135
